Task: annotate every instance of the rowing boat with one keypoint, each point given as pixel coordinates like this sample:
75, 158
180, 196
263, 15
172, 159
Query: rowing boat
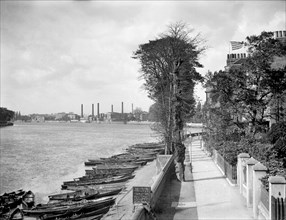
84, 206
80, 194
96, 181
91, 162
97, 214
112, 172
94, 194
13, 214
96, 177
107, 169
110, 186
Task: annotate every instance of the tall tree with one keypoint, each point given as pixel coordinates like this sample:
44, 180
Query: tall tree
168, 68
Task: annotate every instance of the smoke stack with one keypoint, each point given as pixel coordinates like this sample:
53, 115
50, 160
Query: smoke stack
122, 108
97, 110
82, 110
111, 108
132, 108
92, 111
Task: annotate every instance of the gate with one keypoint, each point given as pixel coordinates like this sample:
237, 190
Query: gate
278, 208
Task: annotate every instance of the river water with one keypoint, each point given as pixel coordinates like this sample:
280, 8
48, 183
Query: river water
40, 156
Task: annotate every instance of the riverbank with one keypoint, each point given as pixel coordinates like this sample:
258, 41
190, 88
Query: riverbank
124, 208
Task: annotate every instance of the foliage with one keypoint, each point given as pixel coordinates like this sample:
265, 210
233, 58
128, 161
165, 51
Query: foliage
246, 91
277, 130
258, 149
6, 115
20, 117
277, 136
198, 116
153, 113
168, 68
240, 100
137, 113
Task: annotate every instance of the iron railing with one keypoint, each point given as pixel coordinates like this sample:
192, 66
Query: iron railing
278, 208
265, 197
229, 170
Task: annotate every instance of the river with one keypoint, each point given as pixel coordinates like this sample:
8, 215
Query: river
40, 156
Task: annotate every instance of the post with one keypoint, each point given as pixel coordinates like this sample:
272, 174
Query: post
215, 155
259, 171
191, 153
277, 190
241, 159
249, 181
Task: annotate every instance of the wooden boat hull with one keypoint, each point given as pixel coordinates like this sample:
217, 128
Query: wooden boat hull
110, 186
87, 216
104, 193
101, 176
19, 192
95, 182
77, 214
13, 214
85, 207
12, 200
114, 162
95, 194
100, 170
73, 195
97, 173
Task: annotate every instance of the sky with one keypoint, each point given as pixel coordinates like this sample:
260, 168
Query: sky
57, 55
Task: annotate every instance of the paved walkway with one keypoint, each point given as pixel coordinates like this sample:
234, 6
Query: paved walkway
206, 194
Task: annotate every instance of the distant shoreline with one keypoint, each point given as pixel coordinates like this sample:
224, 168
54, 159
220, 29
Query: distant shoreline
5, 124
100, 122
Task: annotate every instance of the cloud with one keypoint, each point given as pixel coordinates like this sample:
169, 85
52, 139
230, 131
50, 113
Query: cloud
56, 55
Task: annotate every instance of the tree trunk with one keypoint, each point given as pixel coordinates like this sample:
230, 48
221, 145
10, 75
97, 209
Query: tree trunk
178, 125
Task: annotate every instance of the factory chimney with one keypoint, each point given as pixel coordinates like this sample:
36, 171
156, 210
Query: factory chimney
82, 110
132, 108
98, 110
92, 111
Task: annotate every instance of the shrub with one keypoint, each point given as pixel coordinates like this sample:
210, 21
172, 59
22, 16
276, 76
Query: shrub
277, 136
228, 150
277, 130
269, 149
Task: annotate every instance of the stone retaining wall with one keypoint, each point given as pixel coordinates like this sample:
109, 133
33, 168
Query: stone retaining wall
165, 168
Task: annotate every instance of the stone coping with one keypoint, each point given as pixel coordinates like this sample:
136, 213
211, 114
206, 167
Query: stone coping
259, 167
251, 161
243, 155
277, 180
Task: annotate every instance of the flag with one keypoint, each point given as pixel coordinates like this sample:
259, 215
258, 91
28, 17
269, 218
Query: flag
236, 45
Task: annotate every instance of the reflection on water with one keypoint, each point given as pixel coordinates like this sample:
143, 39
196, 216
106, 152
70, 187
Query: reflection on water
40, 156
